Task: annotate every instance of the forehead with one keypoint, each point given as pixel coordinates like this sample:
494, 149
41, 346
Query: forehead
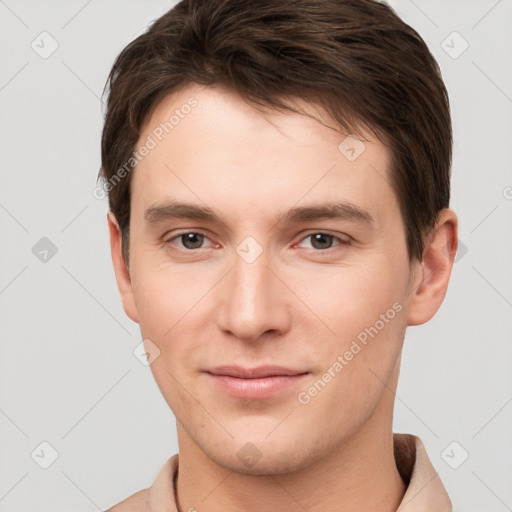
208, 143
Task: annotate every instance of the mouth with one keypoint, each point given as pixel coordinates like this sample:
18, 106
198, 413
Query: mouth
255, 383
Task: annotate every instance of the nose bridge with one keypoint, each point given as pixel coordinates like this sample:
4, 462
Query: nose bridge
253, 301
250, 281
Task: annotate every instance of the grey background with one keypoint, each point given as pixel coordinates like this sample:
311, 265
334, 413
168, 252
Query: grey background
67, 372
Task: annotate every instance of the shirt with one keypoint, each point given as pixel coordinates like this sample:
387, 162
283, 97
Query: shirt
425, 491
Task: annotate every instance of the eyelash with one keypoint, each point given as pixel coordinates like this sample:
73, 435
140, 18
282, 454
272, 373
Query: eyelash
341, 241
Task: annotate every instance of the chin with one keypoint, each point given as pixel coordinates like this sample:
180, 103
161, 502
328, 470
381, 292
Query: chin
271, 464
262, 455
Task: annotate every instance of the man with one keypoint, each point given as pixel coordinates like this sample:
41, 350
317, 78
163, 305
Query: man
278, 179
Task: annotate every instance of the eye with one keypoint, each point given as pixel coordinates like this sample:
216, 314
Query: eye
322, 241
192, 240
189, 241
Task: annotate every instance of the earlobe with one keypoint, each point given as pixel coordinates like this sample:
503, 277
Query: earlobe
434, 270
121, 270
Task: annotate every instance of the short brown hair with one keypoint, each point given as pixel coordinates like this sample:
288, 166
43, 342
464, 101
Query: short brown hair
355, 58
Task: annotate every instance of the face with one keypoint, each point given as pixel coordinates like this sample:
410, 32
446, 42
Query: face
257, 240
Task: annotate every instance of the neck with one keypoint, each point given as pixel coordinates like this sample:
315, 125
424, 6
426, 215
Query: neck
360, 474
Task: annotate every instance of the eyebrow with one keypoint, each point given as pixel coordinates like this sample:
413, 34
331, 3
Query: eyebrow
341, 210
177, 210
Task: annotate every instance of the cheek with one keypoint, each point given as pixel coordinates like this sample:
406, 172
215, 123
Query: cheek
363, 313
355, 364
165, 297
175, 313
166, 302
343, 301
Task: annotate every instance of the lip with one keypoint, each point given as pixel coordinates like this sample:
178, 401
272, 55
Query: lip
254, 373
254, 383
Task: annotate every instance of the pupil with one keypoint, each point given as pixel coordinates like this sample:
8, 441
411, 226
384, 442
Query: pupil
321, 238
189, 242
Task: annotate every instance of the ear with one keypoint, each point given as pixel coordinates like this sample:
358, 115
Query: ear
432, 273
121, 268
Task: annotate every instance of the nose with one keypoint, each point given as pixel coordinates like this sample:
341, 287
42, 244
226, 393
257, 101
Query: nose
254, 301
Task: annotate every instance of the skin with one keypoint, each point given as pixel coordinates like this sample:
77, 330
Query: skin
298, 305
